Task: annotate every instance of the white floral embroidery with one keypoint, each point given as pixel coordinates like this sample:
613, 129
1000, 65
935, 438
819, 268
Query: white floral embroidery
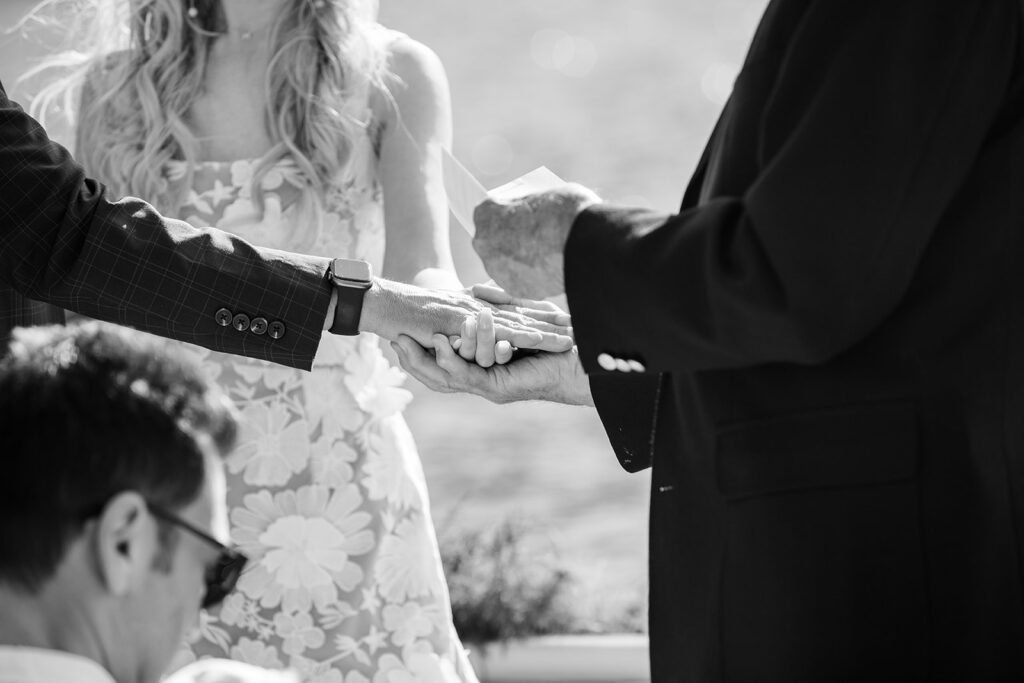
256, 653
386, 474
419, 664
272, 445
332, 462
302, 543
405, 562
298, 632
408, 623
376, 385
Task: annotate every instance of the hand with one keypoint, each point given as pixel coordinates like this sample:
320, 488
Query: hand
477, 342
521, 240
557, 377
392, 308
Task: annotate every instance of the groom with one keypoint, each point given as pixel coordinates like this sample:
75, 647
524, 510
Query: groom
821, 354
65, 244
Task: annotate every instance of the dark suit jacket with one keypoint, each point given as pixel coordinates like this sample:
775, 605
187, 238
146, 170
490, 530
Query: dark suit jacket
833, 331
64, 245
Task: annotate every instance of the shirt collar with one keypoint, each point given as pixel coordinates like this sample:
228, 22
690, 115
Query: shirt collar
36, 665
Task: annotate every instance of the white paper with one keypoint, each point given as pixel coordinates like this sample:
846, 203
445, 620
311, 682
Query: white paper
537, 180
465, 192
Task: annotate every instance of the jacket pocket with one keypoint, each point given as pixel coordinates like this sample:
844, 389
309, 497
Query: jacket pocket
841, 447
823, 563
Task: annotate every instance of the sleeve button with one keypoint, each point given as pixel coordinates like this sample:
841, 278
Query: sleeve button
636, 366
622, 366
276, 329
258, 326
606, 362
240, 322
223, 317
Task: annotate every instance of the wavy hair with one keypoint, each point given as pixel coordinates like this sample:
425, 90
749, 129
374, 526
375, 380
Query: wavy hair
128, 91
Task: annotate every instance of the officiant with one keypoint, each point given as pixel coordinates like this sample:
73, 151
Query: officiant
821, 353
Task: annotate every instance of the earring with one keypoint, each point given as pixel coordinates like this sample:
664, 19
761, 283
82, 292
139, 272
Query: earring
147, 27
192, 11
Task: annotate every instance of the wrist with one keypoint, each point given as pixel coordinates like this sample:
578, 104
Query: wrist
374, 309
574, 385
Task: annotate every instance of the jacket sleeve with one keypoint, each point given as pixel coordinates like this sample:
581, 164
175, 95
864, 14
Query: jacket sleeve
873, 122
628, 407
64, 243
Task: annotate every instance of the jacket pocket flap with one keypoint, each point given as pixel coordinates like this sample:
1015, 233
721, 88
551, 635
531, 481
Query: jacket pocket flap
842, 447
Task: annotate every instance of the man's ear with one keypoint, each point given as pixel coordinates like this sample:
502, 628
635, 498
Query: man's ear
125, 540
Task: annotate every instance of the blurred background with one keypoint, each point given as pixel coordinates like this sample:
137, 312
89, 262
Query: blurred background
619, 95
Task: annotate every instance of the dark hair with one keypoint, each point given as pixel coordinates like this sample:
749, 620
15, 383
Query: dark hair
86, 412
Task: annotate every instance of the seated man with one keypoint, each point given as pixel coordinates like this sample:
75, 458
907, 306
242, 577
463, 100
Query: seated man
112, 511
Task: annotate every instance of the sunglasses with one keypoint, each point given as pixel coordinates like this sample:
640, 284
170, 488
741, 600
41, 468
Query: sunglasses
222, 576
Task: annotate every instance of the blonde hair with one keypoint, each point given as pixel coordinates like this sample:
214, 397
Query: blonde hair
143, 65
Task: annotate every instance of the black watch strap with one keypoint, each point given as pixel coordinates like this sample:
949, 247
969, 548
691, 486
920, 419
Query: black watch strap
348, 310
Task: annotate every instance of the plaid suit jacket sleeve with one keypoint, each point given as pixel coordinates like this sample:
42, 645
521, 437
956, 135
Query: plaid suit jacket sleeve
63, 243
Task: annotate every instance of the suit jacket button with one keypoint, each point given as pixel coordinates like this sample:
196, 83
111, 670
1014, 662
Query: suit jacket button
606, 362
622, 366
276, 329
258, 326
240, 322
223, 317
636, 366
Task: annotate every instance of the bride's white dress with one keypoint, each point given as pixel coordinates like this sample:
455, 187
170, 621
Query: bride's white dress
326, 492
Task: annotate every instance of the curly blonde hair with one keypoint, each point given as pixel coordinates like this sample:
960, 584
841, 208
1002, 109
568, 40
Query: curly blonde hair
140, 65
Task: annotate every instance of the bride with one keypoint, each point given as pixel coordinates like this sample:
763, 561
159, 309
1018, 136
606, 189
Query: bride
302, 125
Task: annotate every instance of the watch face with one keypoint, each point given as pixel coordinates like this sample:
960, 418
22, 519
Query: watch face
352, 269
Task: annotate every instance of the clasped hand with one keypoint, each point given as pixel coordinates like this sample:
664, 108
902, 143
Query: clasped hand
477, 362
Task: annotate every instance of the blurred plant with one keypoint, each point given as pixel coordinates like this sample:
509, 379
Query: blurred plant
505, 585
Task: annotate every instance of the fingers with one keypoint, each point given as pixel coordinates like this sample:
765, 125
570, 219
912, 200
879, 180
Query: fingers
503, 352
447, 359
419, 363
531, 339
485, 340
524, 321
469, 338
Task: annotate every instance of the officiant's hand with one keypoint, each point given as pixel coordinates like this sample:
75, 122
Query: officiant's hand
393, 308
521, 240
557, 377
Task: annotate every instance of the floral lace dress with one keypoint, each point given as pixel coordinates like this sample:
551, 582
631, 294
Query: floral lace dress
326, 492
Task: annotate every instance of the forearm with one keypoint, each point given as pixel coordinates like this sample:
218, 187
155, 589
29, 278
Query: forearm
64, 243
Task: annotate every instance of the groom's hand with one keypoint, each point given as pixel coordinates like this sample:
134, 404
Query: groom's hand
555, 377
521, 240
391, 309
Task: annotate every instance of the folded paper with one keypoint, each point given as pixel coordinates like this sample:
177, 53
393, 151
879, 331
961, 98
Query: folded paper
465, 192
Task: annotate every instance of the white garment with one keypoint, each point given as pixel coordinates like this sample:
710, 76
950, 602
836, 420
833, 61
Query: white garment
325, 490
225, 671
36, 665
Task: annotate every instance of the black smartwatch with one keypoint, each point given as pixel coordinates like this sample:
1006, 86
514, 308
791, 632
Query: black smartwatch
351, 278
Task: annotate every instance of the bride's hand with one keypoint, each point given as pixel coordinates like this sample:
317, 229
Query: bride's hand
478, 344
477, 341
